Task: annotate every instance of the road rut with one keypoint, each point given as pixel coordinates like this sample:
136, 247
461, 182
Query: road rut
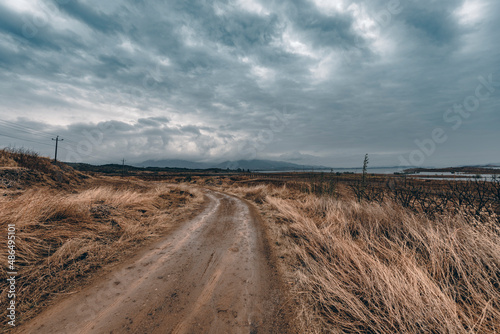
213, 275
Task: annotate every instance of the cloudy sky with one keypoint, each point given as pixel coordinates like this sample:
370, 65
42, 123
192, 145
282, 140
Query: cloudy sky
306, 81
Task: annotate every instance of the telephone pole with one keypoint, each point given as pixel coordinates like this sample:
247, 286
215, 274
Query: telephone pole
123, 167
57, 141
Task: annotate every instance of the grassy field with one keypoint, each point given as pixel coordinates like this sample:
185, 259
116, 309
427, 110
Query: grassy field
68, 229
377, 267
390, 255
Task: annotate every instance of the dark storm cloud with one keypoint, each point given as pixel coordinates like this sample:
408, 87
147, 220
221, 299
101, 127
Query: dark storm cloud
434, 20
15, 25
210, 80
153, 121
322, 30
89, 16
145, 137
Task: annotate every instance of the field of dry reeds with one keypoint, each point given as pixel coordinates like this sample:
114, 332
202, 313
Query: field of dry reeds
358, 259
377, 267
64, 237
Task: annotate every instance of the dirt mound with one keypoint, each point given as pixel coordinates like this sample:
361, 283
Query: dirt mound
20, 168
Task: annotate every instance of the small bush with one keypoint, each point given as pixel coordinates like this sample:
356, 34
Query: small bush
27, 158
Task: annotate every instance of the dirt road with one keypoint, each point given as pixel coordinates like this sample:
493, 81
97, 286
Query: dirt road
213, 275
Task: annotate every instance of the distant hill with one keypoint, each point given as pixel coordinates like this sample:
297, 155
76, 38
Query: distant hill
118, 169
254, 165
175, 163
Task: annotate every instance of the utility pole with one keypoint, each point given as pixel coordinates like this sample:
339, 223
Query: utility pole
123, 167
57, 141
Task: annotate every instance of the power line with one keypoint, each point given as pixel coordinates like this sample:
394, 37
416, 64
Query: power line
30, 130
65, 149
32, 141
9, 127
85, 154
44, 134
12, 124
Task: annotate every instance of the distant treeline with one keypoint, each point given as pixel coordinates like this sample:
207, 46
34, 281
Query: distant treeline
117, 169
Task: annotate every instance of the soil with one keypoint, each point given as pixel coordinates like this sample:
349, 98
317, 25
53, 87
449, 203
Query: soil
215, 274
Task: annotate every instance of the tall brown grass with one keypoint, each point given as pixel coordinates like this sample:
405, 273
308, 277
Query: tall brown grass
22, 168
63, 237
380, 268
21, 157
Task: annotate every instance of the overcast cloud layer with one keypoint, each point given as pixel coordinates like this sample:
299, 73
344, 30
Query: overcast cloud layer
304, 81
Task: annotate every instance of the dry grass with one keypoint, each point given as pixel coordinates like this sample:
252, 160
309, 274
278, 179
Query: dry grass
22, 169
379, 268
63, 237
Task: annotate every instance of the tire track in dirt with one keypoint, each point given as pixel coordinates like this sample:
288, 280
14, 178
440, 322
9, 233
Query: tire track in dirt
213, 275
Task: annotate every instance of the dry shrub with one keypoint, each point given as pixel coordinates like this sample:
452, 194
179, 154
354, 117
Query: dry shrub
21, 168
256, 194
6, 160
26, 158
380, 268
62, 237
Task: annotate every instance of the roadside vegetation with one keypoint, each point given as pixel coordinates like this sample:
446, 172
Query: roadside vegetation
361, 253
375, 266
69, 228
22, 168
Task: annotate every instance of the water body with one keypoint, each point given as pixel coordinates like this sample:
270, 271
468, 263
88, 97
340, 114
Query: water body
464, 177
383, 170
392, 170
